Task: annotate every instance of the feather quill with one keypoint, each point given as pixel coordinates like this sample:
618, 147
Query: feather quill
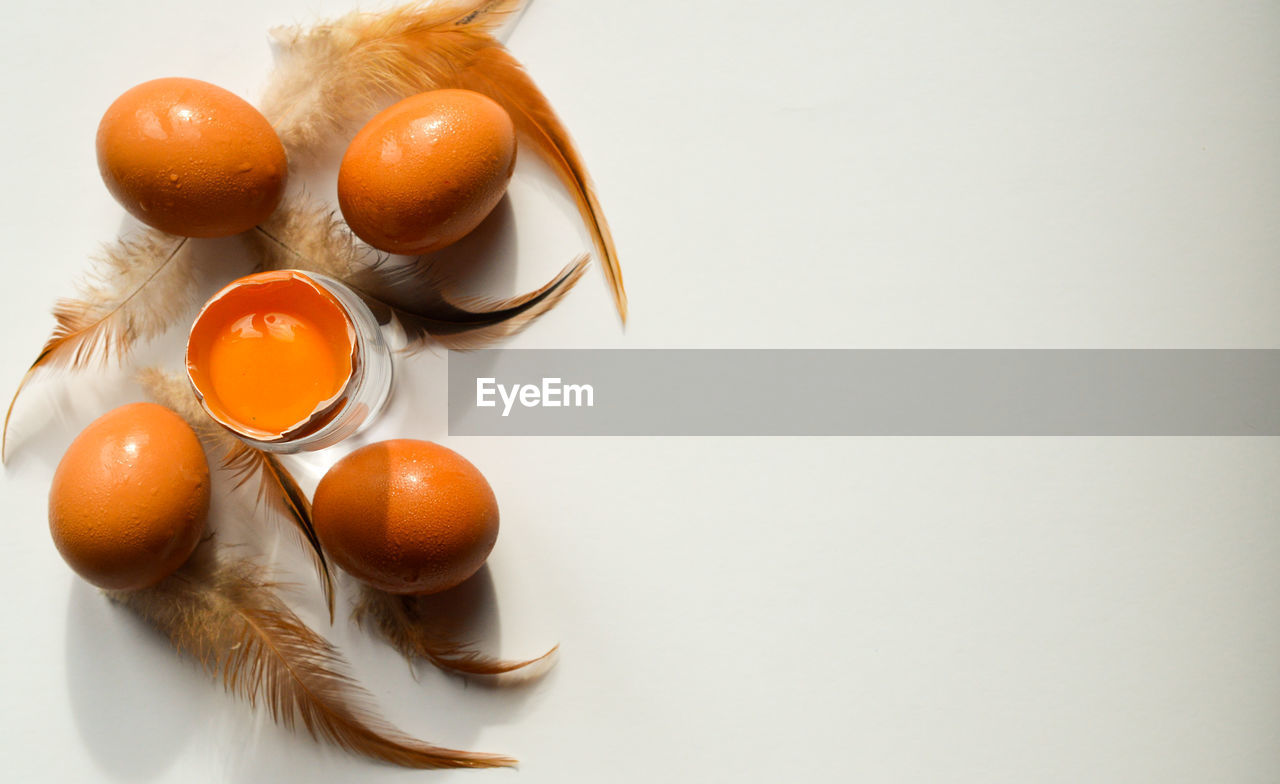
137, 288
406, 623
336, 73
277, 488
224, 614
307, 237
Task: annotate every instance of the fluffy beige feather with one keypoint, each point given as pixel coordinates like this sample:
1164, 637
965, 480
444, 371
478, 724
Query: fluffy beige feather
334, 74
135, 290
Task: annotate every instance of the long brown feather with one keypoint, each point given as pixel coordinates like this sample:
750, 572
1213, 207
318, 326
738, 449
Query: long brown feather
277, 488
494, 72
406, 623
307, 237
228, 617
138, 287
337, 72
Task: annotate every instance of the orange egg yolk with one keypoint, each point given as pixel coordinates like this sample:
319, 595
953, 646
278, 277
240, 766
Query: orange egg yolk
270, 351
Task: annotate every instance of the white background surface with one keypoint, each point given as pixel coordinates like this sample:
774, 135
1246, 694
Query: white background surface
868, 174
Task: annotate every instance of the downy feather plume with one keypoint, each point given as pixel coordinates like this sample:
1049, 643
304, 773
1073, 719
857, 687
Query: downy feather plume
277, 489
137, 288
336, 73
309, 238
224, 614
408, 624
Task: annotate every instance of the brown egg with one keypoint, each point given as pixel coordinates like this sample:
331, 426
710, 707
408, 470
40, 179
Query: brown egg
426, 171
130, 497
190, 158
409, 517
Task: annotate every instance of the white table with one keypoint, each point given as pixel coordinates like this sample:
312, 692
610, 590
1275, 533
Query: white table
873, 174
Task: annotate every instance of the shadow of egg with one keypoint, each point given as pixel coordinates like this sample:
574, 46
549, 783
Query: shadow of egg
466, 613
444, 707
136, 703
483, 263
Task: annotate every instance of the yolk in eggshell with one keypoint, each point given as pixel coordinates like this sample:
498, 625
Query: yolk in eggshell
271, 352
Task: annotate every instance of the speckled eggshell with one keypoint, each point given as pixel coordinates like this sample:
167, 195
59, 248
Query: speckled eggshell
130, 497
406, 516
425, 172
191, 158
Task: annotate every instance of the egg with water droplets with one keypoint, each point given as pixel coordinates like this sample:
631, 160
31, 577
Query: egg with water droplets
129, 498
425, 172
406, 516
190, 158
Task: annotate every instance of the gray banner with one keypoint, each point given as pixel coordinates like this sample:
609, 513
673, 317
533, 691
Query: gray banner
865, 392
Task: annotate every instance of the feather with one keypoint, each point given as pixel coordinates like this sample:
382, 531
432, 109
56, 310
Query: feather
277, 488
137, 288
335, 74
495, 73
407, 623
228, 617
471, 323
308, 238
